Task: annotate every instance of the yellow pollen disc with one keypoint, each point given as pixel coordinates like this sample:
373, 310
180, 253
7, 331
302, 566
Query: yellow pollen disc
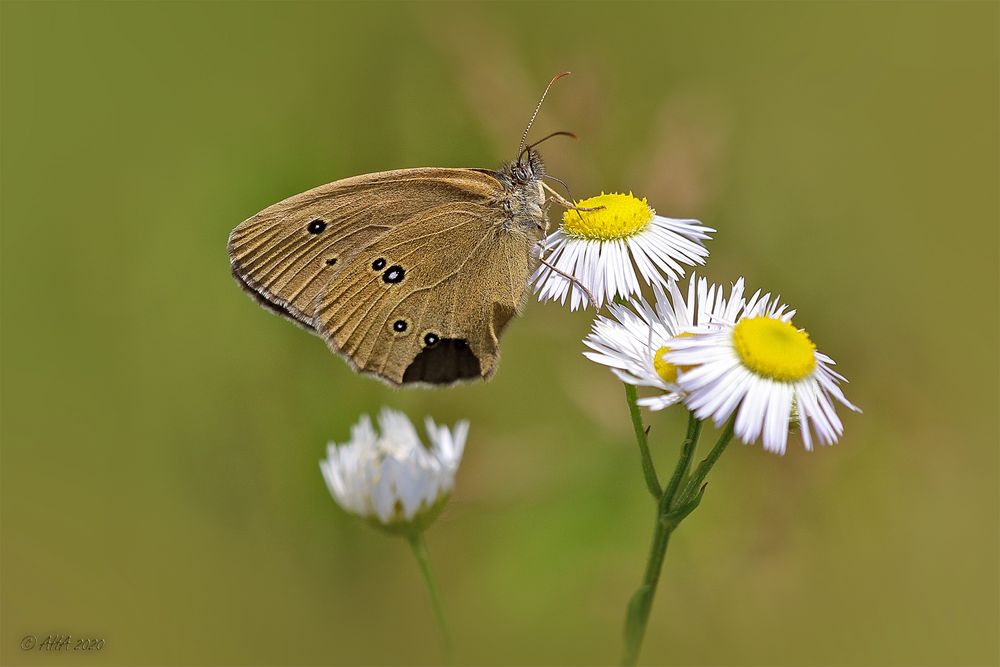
664, 368
774, 349
621, 217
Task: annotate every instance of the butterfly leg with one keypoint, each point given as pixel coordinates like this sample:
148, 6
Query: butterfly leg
572, 279
562, 201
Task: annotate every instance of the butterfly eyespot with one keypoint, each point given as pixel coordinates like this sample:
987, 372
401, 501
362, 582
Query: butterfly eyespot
316, 226
399, 326
394, 274
378, 264
431, 339
330, 261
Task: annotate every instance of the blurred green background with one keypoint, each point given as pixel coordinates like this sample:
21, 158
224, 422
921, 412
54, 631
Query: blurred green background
161, 433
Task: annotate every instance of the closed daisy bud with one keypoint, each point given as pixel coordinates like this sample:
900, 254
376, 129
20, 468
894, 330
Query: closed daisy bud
604, 249
634, 340
390, 477
766, 371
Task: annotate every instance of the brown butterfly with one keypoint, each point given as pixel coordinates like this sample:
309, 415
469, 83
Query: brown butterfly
411, 274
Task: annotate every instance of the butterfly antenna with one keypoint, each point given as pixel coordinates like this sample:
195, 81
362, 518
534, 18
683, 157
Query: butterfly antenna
520, 146
564, 184
527, 149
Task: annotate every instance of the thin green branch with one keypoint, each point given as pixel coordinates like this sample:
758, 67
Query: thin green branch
637, 615
675, 504
416, 541
693, 488
648, 471
683, 463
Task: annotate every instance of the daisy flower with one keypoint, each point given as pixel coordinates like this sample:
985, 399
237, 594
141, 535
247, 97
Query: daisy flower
390, 477
765, 370
602, 250
633, 341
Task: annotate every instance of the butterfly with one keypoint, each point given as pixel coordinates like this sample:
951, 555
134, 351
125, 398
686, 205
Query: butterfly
411, 275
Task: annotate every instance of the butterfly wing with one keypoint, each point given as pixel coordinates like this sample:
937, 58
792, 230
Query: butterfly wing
427, 300
285, 255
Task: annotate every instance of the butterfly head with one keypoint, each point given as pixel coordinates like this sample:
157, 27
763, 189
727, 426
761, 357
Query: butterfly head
527, 169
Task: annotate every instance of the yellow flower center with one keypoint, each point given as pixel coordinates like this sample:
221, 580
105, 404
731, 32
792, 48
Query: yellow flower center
621, 216
664, 368
774, 349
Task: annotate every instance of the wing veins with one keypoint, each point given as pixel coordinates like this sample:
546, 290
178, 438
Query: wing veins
405, 297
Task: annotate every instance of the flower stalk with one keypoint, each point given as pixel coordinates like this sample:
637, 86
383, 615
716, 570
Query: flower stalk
681, 496
642, 438
416, 540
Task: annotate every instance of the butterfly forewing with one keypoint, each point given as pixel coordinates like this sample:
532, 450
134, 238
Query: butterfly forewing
286, 254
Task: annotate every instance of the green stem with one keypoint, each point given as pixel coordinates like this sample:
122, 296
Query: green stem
648, 471
641, 603
416, 541
692, 489
684, 462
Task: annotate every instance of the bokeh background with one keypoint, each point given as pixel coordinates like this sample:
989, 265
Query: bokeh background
161, 433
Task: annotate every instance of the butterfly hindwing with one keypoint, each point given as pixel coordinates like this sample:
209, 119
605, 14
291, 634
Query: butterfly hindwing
427, 300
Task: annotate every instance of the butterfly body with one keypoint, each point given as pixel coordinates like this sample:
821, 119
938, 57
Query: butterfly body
411, 275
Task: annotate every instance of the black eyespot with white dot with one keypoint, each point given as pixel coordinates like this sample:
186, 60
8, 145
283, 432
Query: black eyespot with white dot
431, 339
378, 264
330, 261
399, 326
394, 274
316, 226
